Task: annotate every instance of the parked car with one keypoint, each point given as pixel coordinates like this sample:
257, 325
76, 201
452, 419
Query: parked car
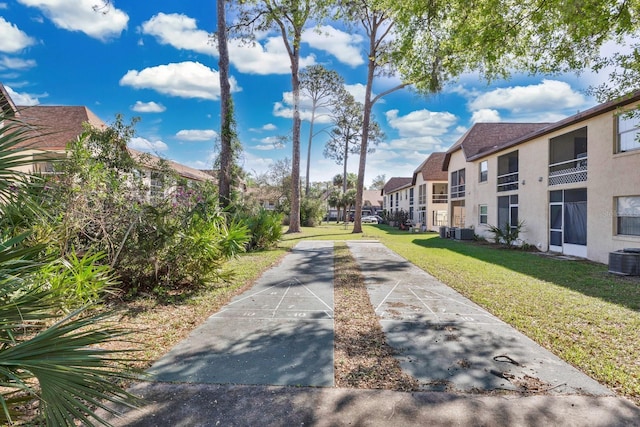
369, 219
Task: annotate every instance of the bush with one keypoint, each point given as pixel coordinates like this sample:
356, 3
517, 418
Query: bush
265, 228
506, 235
311, 212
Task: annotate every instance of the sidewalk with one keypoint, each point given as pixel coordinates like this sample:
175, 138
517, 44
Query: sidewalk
267, 359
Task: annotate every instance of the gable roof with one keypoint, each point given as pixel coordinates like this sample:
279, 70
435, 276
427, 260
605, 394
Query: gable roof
483, 138
373, 197
395, 184
431, 169
53, 127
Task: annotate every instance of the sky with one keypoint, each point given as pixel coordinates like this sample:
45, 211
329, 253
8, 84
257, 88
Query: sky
155, 60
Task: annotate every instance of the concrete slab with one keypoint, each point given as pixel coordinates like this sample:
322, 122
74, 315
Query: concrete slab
189, 405
449, 343
280, 332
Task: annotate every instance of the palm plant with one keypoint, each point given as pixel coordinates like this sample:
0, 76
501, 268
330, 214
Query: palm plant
57, 361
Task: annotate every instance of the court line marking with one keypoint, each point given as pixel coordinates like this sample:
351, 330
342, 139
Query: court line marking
387, 296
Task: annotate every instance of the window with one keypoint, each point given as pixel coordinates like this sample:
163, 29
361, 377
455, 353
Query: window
508, 211
628, 215
411, 196
508, 172
628, 132
484, 171
457, 184
483, 209
422, 194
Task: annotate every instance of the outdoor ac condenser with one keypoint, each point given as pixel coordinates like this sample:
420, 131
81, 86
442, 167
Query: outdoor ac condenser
625, 262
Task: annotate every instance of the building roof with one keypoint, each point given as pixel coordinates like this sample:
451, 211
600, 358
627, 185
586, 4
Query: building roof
396, 183
483, 138
154, 162
431, 169
53, 127
373, 198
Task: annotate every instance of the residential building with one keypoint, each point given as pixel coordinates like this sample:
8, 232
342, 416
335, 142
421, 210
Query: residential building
574, 184
398, 196
53, 127
430, 188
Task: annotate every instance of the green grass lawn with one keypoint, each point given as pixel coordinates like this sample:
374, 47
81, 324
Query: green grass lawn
576, 309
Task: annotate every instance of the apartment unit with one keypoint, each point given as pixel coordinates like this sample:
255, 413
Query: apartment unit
574, 184
398, 196
430, 187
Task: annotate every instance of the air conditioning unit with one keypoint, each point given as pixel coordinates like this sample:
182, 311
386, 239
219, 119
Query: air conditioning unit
625, 262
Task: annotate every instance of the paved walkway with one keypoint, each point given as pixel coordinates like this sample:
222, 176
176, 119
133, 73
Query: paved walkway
238, 368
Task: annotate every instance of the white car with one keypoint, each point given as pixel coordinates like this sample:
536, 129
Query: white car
369, 219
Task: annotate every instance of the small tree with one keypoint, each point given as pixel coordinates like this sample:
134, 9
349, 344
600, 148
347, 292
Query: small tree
322, 87
347, 134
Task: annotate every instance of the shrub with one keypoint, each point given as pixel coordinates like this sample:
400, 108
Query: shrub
265, 228
311, 211
57, 361
78, 281
506, 235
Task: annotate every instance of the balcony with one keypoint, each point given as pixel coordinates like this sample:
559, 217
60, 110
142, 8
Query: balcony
439, 198
569, 171
508, 182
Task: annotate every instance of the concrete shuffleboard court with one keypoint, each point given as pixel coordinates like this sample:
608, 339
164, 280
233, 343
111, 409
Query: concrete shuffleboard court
449, 343
279, 332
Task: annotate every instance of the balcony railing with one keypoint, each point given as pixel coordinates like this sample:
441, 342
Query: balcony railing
439, 198
508, 182
568, 172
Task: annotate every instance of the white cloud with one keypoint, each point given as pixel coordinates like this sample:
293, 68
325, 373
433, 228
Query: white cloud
196, 134
420, 130
283, 109
148, 107
344, 46
270, 143
183, 79
4, 6
79, 15
485, 115
13, 39
550, 95
143, 144
10, 63
179, 31
269, 126
270, 58
23, 99
358, 91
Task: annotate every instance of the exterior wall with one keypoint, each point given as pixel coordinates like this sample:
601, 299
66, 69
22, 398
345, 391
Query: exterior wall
457, 162
609, 175
402, 197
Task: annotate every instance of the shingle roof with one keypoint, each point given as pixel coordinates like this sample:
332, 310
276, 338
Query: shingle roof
431, 169
488, 137
396, 183
53, 127
153, 162
372, 196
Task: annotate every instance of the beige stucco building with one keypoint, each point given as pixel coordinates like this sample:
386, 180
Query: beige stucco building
574, 184
430, 189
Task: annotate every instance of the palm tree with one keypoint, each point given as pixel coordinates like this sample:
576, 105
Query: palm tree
55, 360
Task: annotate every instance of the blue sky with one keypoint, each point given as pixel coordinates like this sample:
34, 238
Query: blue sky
153, 60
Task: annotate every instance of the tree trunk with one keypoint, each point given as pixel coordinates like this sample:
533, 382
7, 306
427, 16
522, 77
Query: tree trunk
224, 174
294, 215
366, 121
313, 117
